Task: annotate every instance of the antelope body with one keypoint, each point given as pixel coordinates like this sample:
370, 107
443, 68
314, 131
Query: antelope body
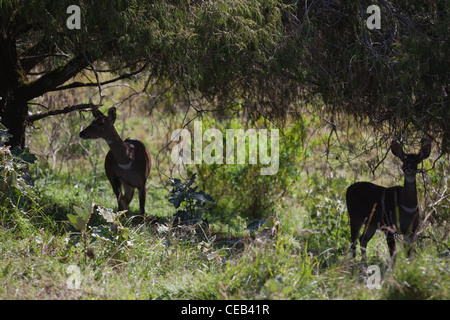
127, 163
387, 209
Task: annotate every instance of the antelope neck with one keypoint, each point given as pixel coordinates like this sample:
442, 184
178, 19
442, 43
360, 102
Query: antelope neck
120, 151
409, 195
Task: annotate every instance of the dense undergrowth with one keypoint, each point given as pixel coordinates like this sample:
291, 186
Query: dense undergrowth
275, 237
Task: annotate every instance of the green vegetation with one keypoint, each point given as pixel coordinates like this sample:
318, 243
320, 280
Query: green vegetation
338, 93
295, 247
270, 57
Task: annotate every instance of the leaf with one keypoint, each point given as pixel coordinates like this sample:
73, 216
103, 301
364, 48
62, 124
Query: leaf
77, 221
176, 183
83, 213
125, 234
14, 179
81, 219
177, 198
25, 154
4, 135
191, 180
109, 215
203, 197
102, 232
26, 188
106, 213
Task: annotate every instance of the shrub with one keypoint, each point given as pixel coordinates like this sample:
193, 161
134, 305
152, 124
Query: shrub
327, 213
240, 189
16, 191
192, 205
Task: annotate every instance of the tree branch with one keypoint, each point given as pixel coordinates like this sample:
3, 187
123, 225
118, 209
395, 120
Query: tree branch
53, 79
400, 17
35, 55
82, 84
83, 106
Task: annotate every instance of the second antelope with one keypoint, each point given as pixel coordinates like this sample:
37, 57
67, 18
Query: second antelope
388, 209
127, 163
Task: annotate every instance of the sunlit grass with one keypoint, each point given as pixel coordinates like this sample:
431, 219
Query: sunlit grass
306, 257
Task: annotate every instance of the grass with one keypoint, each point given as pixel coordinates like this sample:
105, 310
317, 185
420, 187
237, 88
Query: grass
306, 257
167, 265
35, 266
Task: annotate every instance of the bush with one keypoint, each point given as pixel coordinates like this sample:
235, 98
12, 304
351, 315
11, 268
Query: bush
240, 189
327, 213
16, 191
191, 205
422, 278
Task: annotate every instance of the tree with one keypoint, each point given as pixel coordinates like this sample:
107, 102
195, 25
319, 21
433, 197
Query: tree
265, 56
207, 47
39, 53
396, 77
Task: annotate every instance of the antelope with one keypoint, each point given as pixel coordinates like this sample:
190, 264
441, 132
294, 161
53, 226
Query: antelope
127, 163
387, 209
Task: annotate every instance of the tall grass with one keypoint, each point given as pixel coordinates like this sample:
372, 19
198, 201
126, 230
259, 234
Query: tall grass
302, 254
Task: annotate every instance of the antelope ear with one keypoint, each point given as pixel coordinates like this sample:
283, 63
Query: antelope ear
112, 114
397, 149
97, 113
425, 151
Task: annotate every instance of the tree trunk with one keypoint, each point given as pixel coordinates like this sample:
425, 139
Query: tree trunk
13, 110
13, 116
16, 90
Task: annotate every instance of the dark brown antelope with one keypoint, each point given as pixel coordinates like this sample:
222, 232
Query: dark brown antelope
127, 163
387, 209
